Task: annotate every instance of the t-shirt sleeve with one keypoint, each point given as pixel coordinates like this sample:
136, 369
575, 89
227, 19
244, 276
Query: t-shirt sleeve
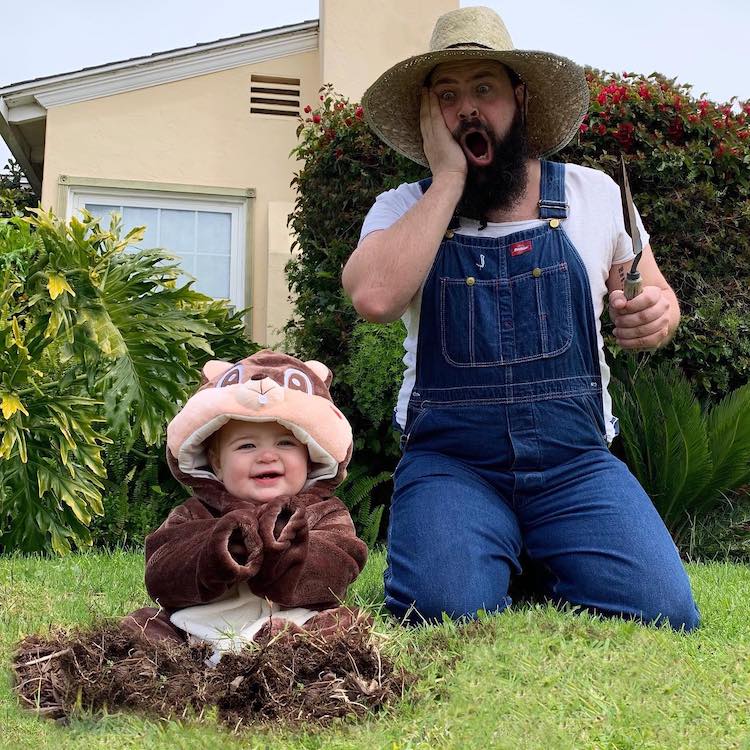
389, 207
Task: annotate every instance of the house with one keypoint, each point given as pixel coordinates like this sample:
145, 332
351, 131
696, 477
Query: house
195, 142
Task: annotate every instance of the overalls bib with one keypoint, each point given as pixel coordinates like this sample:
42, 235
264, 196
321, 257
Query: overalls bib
504, 442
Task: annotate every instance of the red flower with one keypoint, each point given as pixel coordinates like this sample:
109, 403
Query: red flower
316, 118
359, 113
601, 129
308, 108
693, 118
743, 134
322, 98
583, 128
703, 105
348, 121
338, 105
676, 130
624, 134
602, 98
677, 102
644, 92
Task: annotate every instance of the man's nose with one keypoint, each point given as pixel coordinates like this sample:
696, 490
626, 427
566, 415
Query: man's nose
467, 108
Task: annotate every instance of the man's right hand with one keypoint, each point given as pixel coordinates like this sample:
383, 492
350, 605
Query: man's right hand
444, 155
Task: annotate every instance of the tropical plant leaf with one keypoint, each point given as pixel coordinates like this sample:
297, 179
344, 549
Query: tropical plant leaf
666, 442
728, 427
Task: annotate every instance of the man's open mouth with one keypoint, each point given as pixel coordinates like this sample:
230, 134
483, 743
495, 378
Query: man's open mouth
476, 146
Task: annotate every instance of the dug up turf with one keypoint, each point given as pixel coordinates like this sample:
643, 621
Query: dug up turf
291, 678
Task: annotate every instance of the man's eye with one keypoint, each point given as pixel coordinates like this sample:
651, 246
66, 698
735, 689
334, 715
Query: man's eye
446, 96
483, 88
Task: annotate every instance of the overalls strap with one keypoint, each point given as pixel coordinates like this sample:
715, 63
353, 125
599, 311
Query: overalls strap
552, 204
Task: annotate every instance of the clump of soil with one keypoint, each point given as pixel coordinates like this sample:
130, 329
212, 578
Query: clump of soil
293, 678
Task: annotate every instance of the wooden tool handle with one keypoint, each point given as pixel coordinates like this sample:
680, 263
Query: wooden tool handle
633, 285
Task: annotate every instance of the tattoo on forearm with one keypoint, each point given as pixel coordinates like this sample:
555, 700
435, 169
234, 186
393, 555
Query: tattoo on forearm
621, 272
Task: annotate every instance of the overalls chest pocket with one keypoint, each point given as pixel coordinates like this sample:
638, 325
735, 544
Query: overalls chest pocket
486, 322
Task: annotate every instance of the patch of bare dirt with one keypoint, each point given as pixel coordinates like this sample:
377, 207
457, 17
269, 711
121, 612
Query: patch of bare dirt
292, 678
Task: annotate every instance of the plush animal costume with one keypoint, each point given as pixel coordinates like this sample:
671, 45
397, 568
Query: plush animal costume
301, 552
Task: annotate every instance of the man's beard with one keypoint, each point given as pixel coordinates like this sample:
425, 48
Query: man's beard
500, 184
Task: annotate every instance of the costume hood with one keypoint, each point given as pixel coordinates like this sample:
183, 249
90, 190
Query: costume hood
265, 387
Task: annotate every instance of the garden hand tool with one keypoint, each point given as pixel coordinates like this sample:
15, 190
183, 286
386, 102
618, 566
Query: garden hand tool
633, 284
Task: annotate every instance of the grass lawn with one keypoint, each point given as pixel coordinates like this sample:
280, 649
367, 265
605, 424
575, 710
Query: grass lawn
529, 678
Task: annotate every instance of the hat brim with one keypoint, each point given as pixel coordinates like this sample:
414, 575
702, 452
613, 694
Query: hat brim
558, 98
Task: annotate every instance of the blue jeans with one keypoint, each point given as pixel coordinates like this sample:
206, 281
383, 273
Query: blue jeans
458, 526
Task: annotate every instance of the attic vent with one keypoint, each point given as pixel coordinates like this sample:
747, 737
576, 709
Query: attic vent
271, 95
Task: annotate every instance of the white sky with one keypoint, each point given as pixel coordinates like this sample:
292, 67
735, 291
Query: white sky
701, 43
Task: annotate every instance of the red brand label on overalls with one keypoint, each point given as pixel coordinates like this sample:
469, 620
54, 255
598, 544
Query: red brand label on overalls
519, 248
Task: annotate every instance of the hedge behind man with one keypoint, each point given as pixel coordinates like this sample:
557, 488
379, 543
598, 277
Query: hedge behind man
499, 265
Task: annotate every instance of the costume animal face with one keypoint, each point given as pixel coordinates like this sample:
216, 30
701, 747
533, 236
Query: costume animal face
265, 387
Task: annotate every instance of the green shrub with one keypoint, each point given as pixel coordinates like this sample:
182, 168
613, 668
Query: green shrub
15, 195
356, 493
685, 457
99, 341
688, 168
139, 492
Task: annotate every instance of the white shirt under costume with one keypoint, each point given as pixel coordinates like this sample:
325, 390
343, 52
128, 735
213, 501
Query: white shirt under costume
231, 622
594, 225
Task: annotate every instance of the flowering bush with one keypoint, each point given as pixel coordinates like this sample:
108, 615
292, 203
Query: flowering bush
687, 162
689, 168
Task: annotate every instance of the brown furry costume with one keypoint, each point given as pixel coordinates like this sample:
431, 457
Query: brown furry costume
299, 552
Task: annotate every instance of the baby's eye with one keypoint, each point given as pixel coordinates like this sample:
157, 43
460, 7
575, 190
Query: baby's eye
288, 441
245, 446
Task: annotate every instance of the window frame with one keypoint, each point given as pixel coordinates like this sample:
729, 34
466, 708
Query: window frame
236, 202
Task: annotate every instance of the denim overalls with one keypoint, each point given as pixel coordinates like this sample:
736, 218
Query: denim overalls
505, 447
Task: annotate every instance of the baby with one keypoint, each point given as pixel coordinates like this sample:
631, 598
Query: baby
263, 544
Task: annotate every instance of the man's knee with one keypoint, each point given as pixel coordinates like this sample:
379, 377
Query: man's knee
431, 605
679, 611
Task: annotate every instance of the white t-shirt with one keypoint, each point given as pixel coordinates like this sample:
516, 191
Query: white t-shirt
594, 225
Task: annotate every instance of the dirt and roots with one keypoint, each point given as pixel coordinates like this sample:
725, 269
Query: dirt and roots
292, 678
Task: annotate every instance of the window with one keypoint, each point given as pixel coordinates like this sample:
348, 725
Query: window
206, 234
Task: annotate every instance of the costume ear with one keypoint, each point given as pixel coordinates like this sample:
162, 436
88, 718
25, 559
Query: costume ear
214, 368
320, 370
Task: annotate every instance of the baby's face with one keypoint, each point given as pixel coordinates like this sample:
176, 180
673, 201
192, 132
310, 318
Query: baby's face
259, 461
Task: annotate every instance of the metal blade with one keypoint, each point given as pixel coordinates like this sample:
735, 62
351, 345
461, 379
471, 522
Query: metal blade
628, 211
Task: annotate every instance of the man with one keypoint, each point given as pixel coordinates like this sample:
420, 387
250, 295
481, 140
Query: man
499, 267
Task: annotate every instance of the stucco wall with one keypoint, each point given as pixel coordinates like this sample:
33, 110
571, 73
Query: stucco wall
361, 40
197, 131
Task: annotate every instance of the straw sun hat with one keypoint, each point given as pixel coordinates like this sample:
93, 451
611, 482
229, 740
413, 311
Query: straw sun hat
558, 96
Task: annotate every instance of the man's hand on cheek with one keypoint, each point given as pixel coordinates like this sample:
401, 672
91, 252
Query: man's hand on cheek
642, 322
444, 155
